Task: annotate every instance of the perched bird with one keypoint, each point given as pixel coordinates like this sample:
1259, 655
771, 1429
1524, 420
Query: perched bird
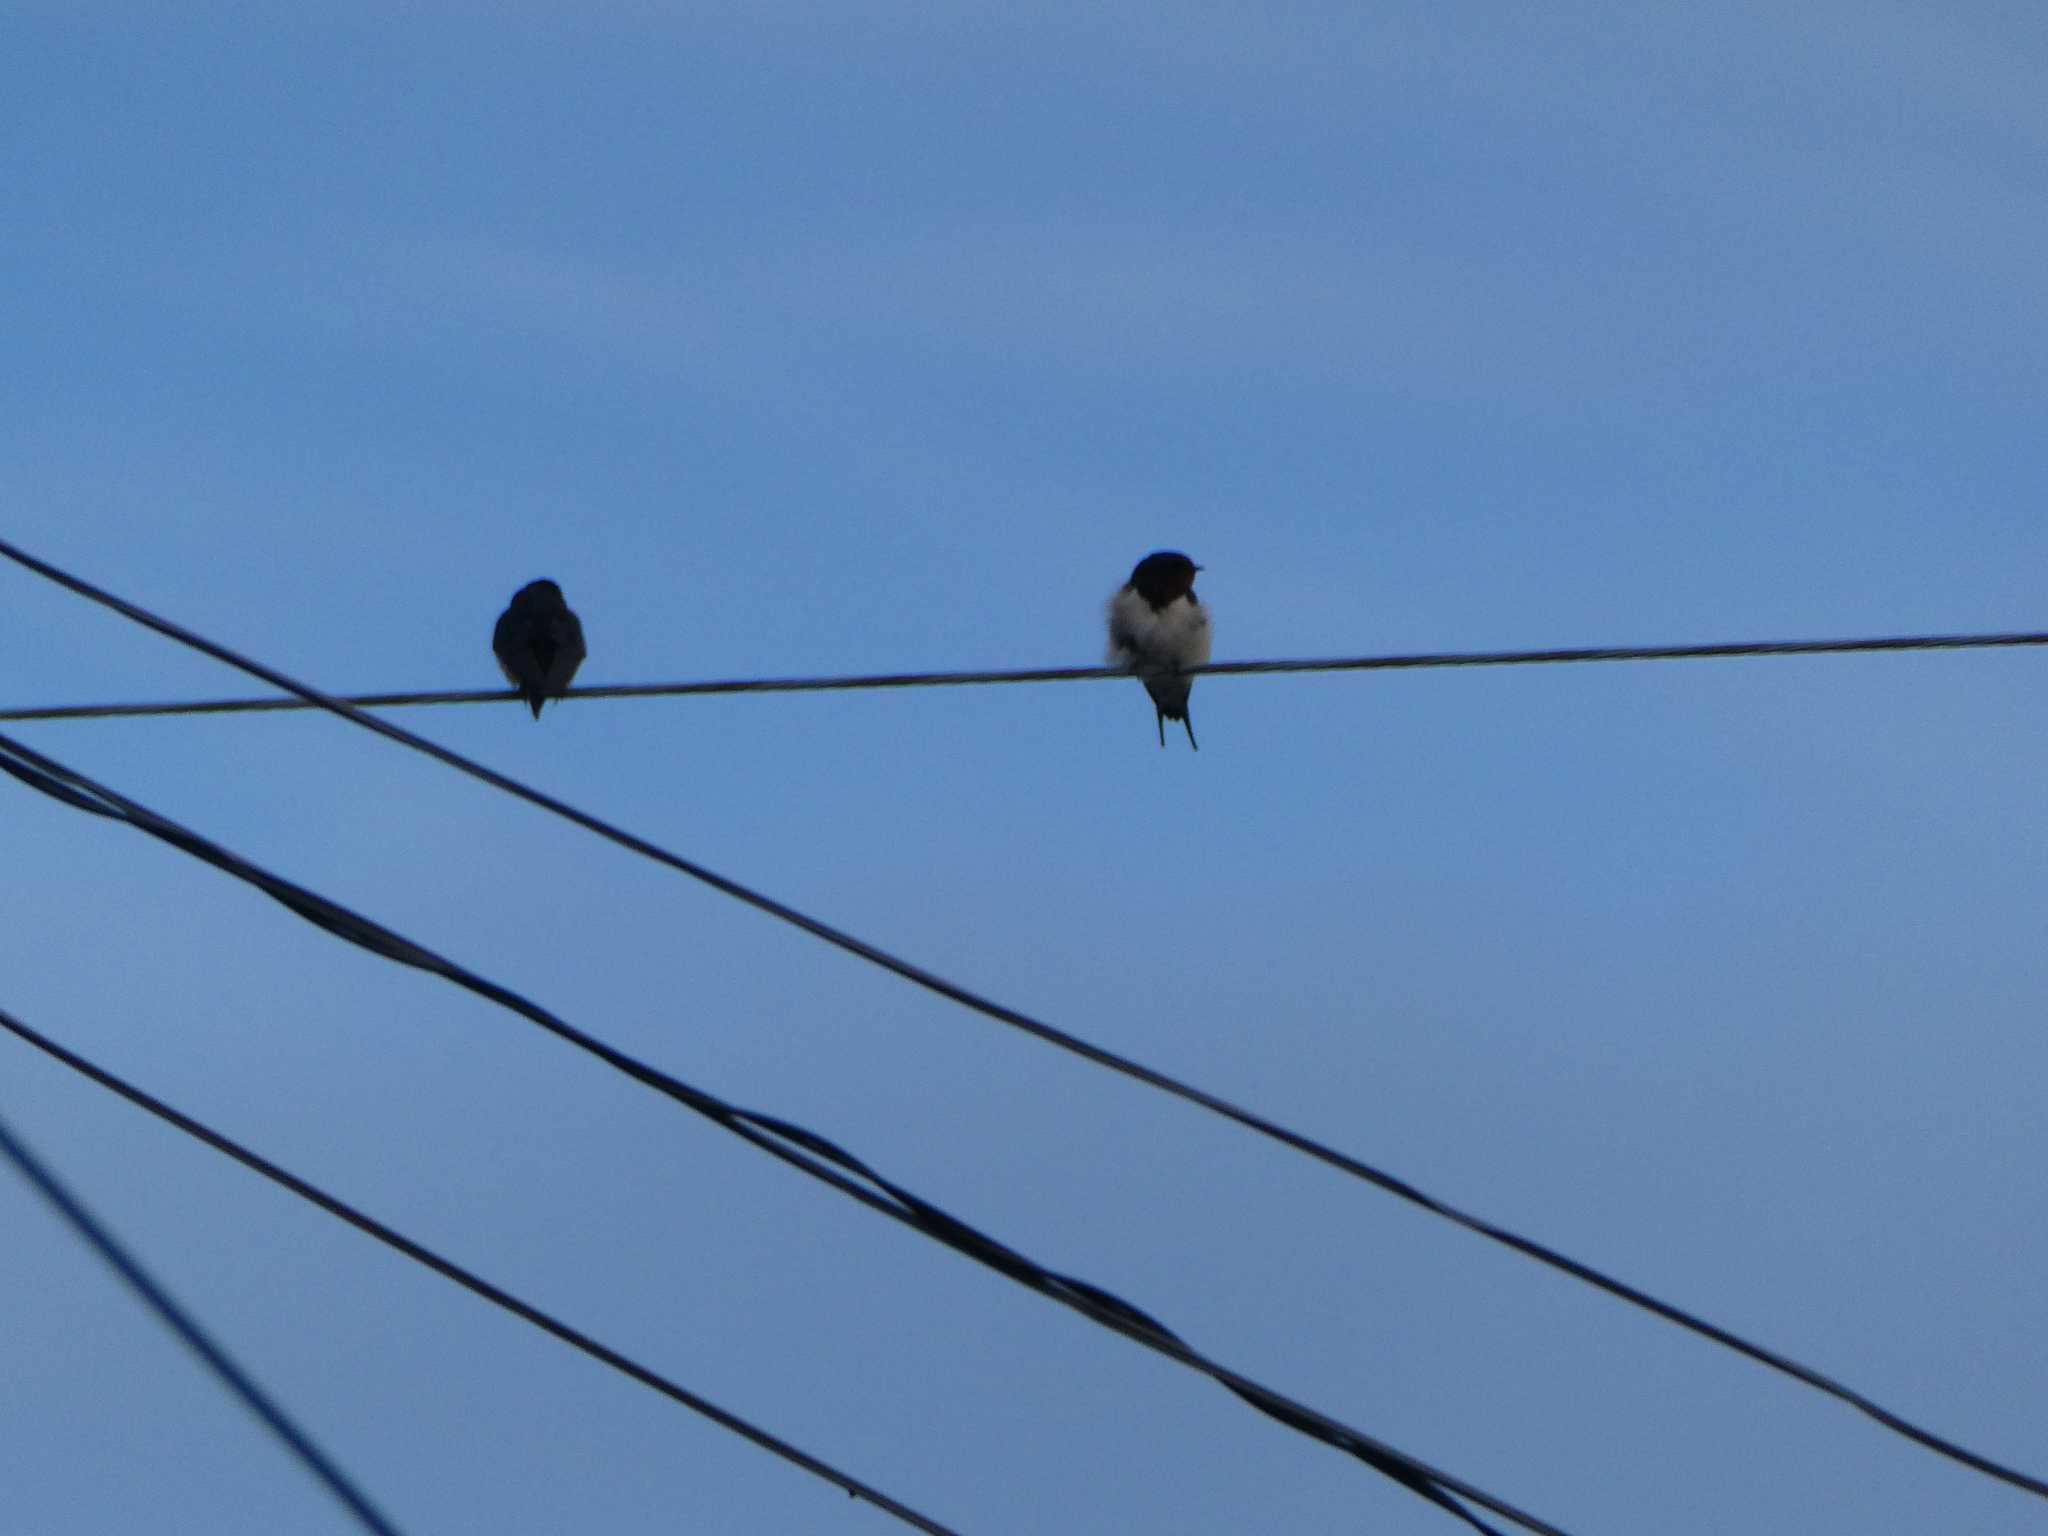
539, 643
1157, 627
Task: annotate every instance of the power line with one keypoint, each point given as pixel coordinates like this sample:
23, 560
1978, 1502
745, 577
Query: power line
1001, 1013
788, 1142
471, 1282
238, 1381
1396, 662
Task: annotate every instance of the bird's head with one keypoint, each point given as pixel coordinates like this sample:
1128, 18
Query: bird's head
539, 594
1161, 577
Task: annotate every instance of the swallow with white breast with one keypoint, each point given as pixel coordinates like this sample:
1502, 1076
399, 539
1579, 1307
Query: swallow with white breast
1158, 628
539, 643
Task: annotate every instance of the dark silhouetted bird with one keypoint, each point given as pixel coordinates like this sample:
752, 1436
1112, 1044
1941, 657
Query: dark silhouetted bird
1157, 628
539, 643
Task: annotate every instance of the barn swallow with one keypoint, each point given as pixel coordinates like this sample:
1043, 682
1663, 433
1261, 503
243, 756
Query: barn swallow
539, 643
1158, 627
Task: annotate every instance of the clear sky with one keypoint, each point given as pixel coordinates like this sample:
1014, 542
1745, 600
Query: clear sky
875, 336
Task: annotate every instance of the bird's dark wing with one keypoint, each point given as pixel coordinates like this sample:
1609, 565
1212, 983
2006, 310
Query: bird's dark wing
511, 643
559, 650
1124, 638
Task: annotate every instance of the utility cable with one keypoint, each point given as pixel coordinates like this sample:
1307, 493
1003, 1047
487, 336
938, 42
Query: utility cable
1102, 1056
1399, 662
448, 1269
174, 1317
790, 1143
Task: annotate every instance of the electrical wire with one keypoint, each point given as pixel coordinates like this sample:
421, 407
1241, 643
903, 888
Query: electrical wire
174, 1317
475, 1284
788, 1142
1400, 662
1249, 1119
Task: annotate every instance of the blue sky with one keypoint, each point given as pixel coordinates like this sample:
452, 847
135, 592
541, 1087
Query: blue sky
876, 336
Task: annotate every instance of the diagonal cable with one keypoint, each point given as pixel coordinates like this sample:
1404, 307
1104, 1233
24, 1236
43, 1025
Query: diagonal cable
805, 1150
196, 1338
469, 1281
1101, 1056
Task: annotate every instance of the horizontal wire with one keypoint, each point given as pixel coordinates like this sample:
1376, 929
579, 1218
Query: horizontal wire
1137, 1071
196, 1338
784, 1140
469, 1281
1411, 661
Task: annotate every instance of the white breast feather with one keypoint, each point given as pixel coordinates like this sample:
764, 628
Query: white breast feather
1176, 636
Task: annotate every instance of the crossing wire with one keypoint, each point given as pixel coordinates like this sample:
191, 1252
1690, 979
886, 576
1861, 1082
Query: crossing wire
786, 1141
989, 1008
475, 1284
196, 1338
